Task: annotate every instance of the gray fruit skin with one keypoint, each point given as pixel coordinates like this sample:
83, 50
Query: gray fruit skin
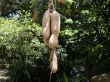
53, 61
46, 24
55, 23
55, 29
51, 30
53, 41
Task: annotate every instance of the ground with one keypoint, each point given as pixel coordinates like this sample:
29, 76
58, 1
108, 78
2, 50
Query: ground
3, 75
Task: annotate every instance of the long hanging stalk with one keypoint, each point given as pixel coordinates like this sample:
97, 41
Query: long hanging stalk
51, 30
51, 5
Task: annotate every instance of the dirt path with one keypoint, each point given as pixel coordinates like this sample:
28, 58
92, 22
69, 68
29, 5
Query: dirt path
3, 75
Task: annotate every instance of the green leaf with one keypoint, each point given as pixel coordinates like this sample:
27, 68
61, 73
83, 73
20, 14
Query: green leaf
65, 77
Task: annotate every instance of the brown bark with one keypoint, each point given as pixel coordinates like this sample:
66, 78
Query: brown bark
0, 8
35, 12
62, 1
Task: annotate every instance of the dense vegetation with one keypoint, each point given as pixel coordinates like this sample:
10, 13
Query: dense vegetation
84, 41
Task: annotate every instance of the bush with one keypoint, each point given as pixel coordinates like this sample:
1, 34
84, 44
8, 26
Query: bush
21, 47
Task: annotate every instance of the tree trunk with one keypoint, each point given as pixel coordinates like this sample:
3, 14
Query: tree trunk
0, 8
35, 11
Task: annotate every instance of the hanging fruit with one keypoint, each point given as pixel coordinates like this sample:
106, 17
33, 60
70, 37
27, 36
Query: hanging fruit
55, 23
46, 26
53, 41
50, 31
53, 61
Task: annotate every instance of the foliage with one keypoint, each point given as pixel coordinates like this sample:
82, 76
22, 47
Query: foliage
22, 48
83, 49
